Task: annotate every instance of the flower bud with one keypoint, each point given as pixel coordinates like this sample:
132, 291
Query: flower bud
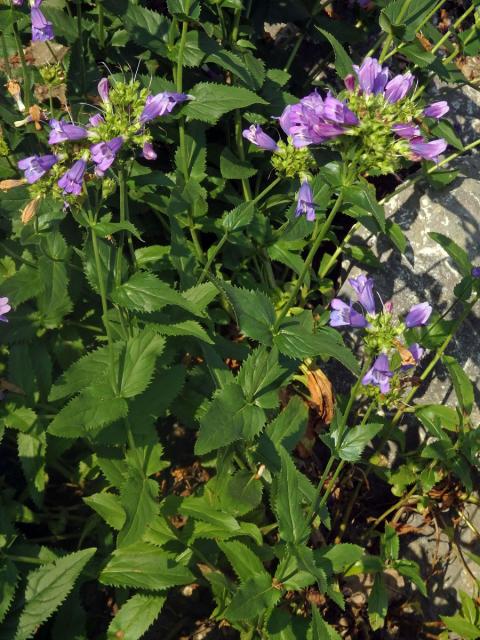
30, 210
6, 185
14, 90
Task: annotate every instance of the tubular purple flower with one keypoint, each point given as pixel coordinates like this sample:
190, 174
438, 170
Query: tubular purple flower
363, 287
72, 180
436, 109
17, 3
417, 352
160, 104
475, 272
104, 153
96, 119
336, 111
103, 89
427, 150
372, 77
418, 315
148, 152
305, 204
42, 29
407, 131
349, 82
292, 116
63, 131
35, 167
344, 315
379, 375
4, 309
398, 87
257, 136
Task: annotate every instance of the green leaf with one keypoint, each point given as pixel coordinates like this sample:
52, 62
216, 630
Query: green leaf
25, 284
105, 228
185, 328
147, 28
233, 168
254, 311
378, 603
211, 101
229, 418
290, 424
245, 562
338, 558
145, 292
135, 617
320, 629
465, 629
8, 583
139, 499
306, 561
238, 218
138, 362
282, 625
461, 382
390, 543
47, 587
261, 376
240, 493
418, 55
144, 566
356, 440
364, 198
198, 508
446, 416
184, 10
32, 448
291, 521
456, 253
443, 129
411, 570
195, 150
343, 62
253, 597
108, 507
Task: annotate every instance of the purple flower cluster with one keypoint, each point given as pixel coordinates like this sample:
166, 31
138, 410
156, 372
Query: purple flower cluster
42, 29
102, 153
343, 314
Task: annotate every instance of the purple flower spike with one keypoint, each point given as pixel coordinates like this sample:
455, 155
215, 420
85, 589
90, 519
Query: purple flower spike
363, 287
407, 131
42, 29
418, 315
398, 87
72, 180
257, 136
427, 150
417, 352
372, 77
103, 89
35, 167
160, 104
336, 111
148, 152
96, 119
104, 153
379, 375
344, 315
436, 109
4, 309
63, 131
305, 203
476, 272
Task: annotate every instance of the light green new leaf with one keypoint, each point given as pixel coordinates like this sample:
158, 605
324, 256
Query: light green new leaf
47, 587
139, 499
252, 598
144, 566
138, 362
135, 617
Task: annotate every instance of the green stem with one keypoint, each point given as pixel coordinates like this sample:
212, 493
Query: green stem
83, 82
389, 38
331, 484
212, 257
27, 95
318, 236
247, 192
101, 24
8, 68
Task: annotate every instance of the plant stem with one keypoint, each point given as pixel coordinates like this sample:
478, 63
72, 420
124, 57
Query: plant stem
318, 236
27, 95
247, 192
83, 82
212, 257
8, 68
389, 38
101, 24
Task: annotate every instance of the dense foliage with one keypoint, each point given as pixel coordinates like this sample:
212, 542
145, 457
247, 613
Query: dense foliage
180, 181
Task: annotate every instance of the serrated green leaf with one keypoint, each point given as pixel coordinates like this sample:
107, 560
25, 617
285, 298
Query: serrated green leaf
198, 507
23, 285
32, 448
139, 499
461, 382
233, 168
378, 603
254, 311
321, 630
106, 228
240, 493
108, 507
238, 218
364, 198
338, 558
8, 583
465, 629
135, 617
356, 439
289, 426
144, 566
138, 362
245, 562
211, 101
343, 62
260, 377
291, 520
147, 28
185, 328
252, 598
47, 587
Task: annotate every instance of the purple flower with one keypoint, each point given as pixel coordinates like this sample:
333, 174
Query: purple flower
363, 287
406, 130
349, 82
398, 87
35, 167
336, 111
104, 153
427, 150
63, 131
148, 152
372, 77
42, 29
72, 180
418, 315
345, 315
476, 272
103, 89
417, 352
17, 3
257, 136
161, 104
436, 109
379, 375
4, 308
305, 202
96, 119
